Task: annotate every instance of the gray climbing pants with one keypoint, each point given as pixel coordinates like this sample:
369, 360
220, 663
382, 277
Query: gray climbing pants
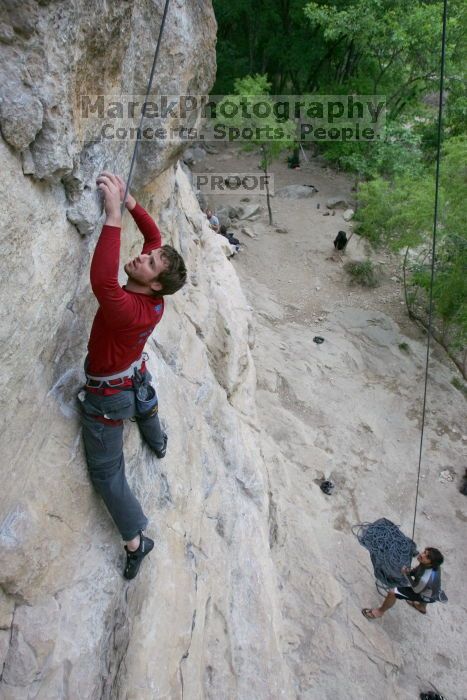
103, 442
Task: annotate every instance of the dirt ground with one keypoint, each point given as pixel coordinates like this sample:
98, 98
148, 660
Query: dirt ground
349, 410
310, 277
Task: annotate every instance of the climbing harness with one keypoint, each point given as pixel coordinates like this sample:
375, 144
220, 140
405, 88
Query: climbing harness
122, 376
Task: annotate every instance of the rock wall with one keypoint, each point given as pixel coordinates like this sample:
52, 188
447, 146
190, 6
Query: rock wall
199, 616
198, 622
255, 586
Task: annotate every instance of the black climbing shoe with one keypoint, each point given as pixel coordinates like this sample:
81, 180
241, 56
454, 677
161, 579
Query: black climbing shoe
161, 453
134, 559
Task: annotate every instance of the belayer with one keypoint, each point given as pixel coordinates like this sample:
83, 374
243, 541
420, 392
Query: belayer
118, 385
425, 585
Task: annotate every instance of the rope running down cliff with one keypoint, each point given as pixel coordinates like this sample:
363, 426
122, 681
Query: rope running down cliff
433, 249
143, 111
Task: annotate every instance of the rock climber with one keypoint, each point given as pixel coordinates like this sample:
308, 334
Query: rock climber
118, 385
425, 585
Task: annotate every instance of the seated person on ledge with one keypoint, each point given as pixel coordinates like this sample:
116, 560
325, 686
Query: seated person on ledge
230, 237
213, 220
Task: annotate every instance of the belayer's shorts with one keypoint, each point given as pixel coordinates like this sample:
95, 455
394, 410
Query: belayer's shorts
407, 593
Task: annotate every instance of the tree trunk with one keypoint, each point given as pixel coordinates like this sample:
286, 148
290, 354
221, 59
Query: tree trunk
266, 179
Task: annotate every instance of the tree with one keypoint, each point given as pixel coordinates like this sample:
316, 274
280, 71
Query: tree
268, 36
388, 50
360, 45
399, 214
270, 133
355, 47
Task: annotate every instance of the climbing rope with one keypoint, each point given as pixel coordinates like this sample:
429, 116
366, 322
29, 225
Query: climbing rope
389, 548
433, 249
143, 110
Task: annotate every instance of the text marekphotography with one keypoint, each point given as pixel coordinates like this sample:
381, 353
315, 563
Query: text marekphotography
242, 118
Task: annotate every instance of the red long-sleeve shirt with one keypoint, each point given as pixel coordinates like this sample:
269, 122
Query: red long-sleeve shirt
124, 319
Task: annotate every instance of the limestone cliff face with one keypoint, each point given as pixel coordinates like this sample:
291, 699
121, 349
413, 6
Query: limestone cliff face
200, 615
57, 57
198, 622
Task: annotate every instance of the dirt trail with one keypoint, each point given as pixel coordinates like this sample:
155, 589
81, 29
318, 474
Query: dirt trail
349, 410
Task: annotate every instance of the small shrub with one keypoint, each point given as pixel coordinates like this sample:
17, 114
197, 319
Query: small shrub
362, 272
404, 347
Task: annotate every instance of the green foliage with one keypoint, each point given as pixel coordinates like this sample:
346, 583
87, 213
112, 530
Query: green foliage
266, 36
397, 214
354, 46
456, 108
404, 347
388, 50
252, 85
454, 183
362, 272
400, 214
398, 152
270, 133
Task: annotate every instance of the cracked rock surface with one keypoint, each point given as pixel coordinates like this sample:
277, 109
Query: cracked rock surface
254, 586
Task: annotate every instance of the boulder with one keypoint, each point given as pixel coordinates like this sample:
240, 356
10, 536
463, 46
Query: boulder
250, 211
337, 202
235, 212
225, 221
348, 214
223, 216
194, 155
248, 232
212, 150
296, 191
238, 212
232, 183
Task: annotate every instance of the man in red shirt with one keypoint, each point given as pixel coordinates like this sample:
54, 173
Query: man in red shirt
117, 381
